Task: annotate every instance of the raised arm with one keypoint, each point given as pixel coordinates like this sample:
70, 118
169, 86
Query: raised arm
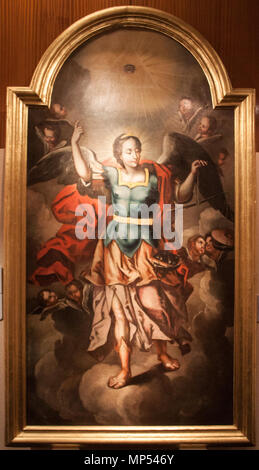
81, 165
185, 190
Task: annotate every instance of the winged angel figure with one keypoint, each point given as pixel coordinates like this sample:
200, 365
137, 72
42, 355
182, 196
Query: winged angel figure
139, 286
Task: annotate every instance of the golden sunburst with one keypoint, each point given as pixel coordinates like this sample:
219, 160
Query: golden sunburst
126, 77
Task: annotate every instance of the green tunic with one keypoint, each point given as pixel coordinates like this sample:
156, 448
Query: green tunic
127, 201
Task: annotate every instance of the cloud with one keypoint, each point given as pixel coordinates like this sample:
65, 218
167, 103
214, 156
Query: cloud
69, 404
49, 376
73, 384
211, 219
43, 337
41, 224
154, 397
127, 406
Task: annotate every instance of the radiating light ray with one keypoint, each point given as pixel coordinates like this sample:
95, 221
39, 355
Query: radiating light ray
144, 100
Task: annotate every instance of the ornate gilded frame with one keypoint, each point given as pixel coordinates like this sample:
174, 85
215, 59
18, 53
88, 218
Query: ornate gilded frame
39, 93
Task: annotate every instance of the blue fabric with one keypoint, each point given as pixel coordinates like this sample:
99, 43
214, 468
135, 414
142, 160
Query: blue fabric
127, 202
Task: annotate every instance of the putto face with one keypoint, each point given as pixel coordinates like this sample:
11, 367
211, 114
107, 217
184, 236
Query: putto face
204, 126
74, 293
209, 248
50, 137
131, 153
200, 246
50, 298
186, 107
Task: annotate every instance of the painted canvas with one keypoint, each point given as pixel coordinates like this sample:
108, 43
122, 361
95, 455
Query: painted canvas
130, 240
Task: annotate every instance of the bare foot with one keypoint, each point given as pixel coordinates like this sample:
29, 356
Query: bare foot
120, 380
168, 362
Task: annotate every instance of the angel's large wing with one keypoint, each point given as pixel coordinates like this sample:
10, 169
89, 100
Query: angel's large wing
179, 152
59, 164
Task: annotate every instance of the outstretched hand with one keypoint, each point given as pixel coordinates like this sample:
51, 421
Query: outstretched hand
197, 164
78, 131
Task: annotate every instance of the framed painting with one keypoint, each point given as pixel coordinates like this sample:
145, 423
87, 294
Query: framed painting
129, 240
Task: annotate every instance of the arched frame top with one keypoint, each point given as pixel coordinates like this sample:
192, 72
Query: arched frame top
39, 93
130, 17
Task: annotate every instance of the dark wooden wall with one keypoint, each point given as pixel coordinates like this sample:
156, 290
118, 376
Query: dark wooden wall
29, 26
